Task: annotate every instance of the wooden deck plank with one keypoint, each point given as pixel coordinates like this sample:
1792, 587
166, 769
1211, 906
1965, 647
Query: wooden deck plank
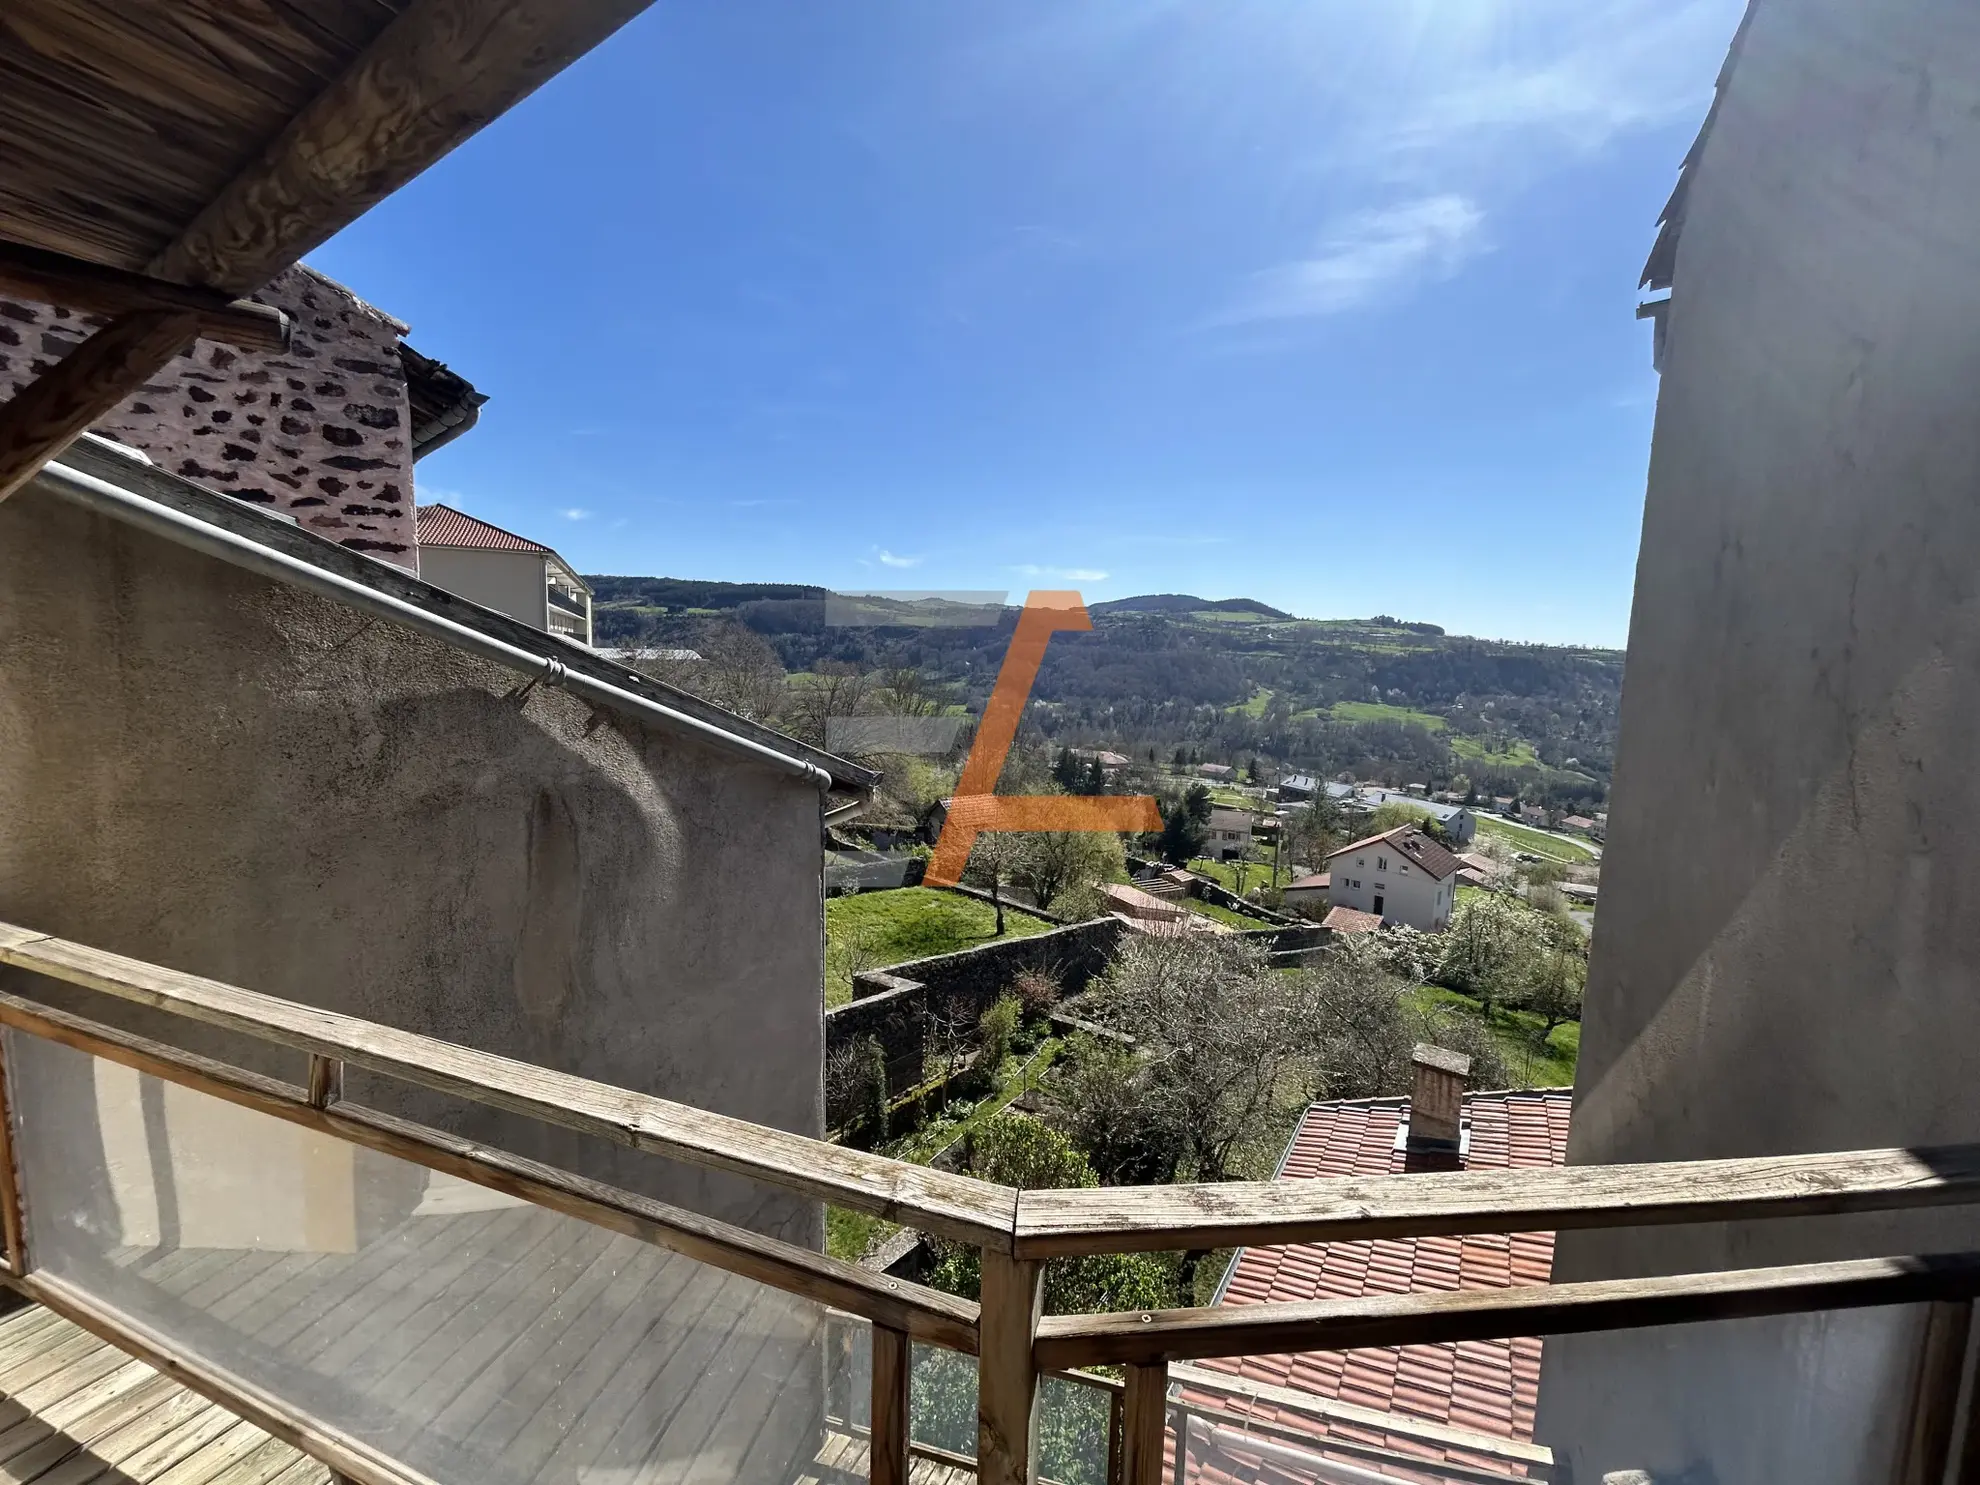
58, 1417
728, 1379
35, 1363
210, 1460
589, 1354
616, 1430
60, 1444
180, 1410
380, 1317
685, 1303
526, 1354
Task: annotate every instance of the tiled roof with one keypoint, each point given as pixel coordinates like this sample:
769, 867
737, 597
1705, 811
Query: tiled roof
1412, 843
443, 526
1318, 879
1484, 1387
1351, 920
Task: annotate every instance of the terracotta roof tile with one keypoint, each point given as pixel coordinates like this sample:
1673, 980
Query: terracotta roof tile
443, 526
1489, 1387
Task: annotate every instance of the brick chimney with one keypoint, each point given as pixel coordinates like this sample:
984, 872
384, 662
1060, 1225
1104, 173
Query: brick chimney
1435, 1105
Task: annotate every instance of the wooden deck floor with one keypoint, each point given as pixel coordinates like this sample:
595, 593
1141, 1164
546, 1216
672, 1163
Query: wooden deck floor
75, 1411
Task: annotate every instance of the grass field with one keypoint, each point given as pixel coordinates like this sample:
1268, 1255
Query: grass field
1260, 699
1539, 843
876, 929
1518, 754
1529, 1063
1376, 711
1220, 914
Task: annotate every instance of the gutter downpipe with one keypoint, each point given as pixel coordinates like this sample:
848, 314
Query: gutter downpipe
106, 499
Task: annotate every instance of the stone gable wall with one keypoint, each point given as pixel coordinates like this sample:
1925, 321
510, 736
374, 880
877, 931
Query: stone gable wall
321, 433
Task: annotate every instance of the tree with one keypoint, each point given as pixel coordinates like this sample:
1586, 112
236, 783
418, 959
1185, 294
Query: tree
992, 861
1490, 949
1065, 772
1398, 812
738, 671
1097, 1084
1015, 1149
1315, 830
1094, 781
1053, 863
1560, 972
1186, 827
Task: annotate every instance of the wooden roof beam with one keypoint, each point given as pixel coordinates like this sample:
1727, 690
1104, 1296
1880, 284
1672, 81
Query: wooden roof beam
432, 78
74, 283
47, 414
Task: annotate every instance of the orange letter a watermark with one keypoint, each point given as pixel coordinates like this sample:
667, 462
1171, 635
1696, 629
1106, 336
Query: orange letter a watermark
976, 807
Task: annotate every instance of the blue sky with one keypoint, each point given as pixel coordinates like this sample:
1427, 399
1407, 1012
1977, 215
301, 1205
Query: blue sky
1324, 303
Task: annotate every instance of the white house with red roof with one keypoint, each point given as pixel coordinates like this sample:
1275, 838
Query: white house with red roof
1399, 876
503, 571
1409, 1413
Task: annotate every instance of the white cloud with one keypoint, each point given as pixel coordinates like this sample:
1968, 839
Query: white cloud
575, 513
890, 559
1367, 258
1065, 574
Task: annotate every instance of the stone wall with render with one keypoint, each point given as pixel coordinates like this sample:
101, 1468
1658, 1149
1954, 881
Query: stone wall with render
320, 433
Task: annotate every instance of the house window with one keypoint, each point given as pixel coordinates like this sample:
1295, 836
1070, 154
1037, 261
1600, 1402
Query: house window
1381, 863
1381, 887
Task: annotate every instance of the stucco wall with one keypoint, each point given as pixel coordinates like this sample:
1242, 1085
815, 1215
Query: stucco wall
511, 583
228, 776
321, 432
1786, 955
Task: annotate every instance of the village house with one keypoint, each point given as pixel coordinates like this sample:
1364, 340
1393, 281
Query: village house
1400, 876
503, 571
1364, 799
1306, 895
1229, 833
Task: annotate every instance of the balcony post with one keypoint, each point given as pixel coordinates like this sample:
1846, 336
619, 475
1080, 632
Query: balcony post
1935, 1393
1007, 1382
12, 1225
887, 1461
1145, 1424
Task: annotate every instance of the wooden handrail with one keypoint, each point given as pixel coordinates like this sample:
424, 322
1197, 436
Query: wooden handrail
1116, 1219
951, 1206
1149, 1337
912, 1309
1036, 1225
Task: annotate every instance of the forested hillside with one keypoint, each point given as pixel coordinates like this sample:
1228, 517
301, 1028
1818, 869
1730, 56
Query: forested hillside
1225, 681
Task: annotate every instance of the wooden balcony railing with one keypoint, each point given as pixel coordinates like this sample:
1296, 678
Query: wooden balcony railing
1016, 1232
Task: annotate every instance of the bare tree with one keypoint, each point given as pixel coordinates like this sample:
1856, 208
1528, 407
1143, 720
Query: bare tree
1051, 863
993, 863
738, 671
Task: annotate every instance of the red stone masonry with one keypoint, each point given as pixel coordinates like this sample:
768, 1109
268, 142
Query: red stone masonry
321, 433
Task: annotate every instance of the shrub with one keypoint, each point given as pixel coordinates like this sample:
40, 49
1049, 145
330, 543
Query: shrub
994, 1029
1037, 991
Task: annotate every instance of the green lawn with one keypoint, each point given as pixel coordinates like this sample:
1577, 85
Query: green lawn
1530, 1064
1221, 914
876, 929
1260, 699
1376, 711
1518, 754
1538, 842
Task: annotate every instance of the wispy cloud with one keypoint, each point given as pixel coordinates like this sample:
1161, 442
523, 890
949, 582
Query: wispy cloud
575, 513
893, 559
1064, 574
1369, 257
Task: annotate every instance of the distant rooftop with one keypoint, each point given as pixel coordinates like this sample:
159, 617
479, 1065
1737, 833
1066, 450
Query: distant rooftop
1486, 1387
443, 526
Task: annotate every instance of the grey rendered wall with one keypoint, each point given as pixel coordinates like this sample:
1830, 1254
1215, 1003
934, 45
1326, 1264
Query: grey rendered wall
224, 775
1790, 929
511, 583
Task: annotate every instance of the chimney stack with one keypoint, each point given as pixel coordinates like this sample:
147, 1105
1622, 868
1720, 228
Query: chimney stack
1435, 1106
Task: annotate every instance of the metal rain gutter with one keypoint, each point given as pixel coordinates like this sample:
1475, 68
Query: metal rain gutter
106, 499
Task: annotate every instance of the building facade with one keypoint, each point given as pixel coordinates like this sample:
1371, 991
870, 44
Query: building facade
503, 571
1784, 958
1400, 876
325, 432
